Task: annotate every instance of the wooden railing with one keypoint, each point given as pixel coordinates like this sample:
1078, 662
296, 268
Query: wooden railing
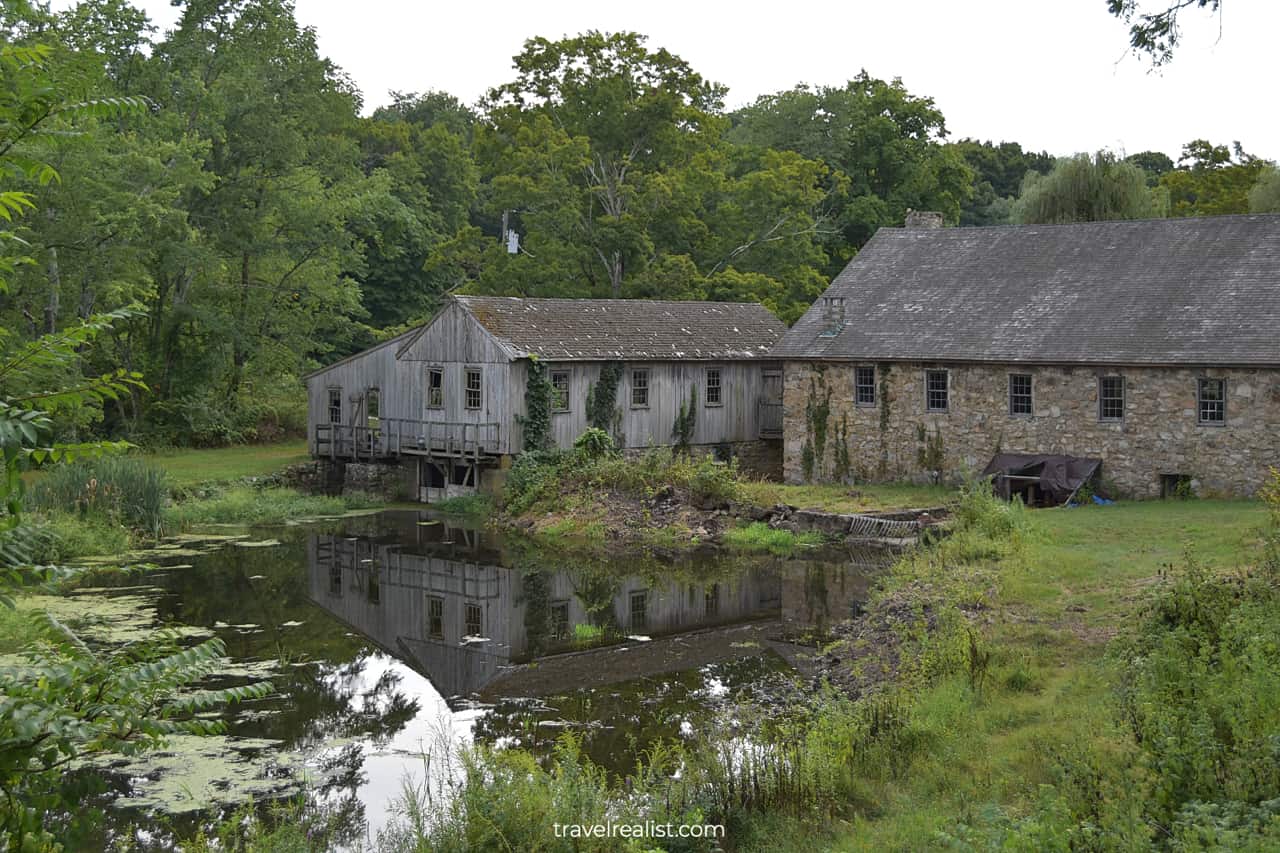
770, 418
392, 437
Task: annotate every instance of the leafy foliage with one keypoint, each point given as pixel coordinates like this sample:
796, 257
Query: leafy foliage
1088, 188
535, 423
69, 702
686, 421
1156, 33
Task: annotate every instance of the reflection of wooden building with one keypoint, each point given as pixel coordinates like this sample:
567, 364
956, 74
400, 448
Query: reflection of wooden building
458, 618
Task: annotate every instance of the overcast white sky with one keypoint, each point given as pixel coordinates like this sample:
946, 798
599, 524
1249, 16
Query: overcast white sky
1050, 74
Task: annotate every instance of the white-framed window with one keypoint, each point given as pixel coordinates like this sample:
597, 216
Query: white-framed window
937, 390
1020, 402
559, 390
864, 386
474, 388
1110, 398
1211, 402
435, 387
335, 405
640, 388
712, 397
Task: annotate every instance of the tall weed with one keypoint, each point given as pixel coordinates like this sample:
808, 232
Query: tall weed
124, 490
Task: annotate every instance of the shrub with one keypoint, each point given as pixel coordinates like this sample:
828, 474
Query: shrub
124, 490
594, 443
758, 536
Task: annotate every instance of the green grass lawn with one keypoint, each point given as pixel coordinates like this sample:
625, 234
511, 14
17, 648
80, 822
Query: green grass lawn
834, 497
188, 466
1083, 579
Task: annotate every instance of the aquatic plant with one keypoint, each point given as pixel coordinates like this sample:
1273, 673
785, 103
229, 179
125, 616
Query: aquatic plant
126, 490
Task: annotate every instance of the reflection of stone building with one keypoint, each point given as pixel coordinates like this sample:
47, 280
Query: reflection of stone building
445, 606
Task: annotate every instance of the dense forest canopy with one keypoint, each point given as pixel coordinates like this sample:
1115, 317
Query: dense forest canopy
258, 225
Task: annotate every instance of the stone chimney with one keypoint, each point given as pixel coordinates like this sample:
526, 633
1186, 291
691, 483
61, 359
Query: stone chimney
923, 219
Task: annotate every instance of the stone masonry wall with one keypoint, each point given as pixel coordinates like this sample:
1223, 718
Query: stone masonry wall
1159, 433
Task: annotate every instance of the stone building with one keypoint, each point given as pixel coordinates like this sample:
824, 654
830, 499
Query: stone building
1152, 345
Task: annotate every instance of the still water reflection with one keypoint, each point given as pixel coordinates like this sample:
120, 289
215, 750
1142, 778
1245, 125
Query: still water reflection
392, 635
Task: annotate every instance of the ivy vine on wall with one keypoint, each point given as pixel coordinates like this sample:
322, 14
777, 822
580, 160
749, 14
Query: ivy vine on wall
535, 423
817, 414
686, 420
602, 411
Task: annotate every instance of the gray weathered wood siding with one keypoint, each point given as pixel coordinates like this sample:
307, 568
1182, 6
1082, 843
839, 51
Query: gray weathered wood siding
373, 368
737, 418
455, 341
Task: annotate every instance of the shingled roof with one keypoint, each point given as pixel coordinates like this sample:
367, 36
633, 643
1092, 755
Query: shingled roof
632, 329
1200, 291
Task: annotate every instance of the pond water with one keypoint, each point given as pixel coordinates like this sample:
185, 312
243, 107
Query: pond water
392, 638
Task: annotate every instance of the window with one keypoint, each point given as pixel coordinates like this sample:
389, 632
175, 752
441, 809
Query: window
559, 390
560, 619
936, 390
435, 617
864, 386
712, 600
1211, 401
713, 386
1110, 398
639, 389
1020, 394
639, 601
372, 407
335, 405
435, 387
474, 396
474, 624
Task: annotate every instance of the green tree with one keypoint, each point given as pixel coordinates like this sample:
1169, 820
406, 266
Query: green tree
1212, 180
1265, 195
1088, 188
65, 702
998, 173
884, 140
1153, 163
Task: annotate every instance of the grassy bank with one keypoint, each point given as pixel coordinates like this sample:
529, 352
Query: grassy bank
188, 466
842, 498
1093, 678
112, 505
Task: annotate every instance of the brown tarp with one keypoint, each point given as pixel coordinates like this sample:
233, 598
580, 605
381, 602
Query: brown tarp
1056, 477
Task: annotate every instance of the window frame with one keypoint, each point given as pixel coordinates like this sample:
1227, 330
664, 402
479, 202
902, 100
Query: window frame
1103, 417
438, 602
561, 629
469, 608
641, 595
1029, 395
374, 396
929, 374
560, 404
642, 372
435, 370
1221, 382
707, 386
467, 390
330, 409
858, 387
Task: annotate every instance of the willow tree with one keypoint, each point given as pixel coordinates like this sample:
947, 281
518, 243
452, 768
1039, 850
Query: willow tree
1088, 188
1265, 195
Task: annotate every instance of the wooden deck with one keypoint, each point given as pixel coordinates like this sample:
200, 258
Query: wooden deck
391, 438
